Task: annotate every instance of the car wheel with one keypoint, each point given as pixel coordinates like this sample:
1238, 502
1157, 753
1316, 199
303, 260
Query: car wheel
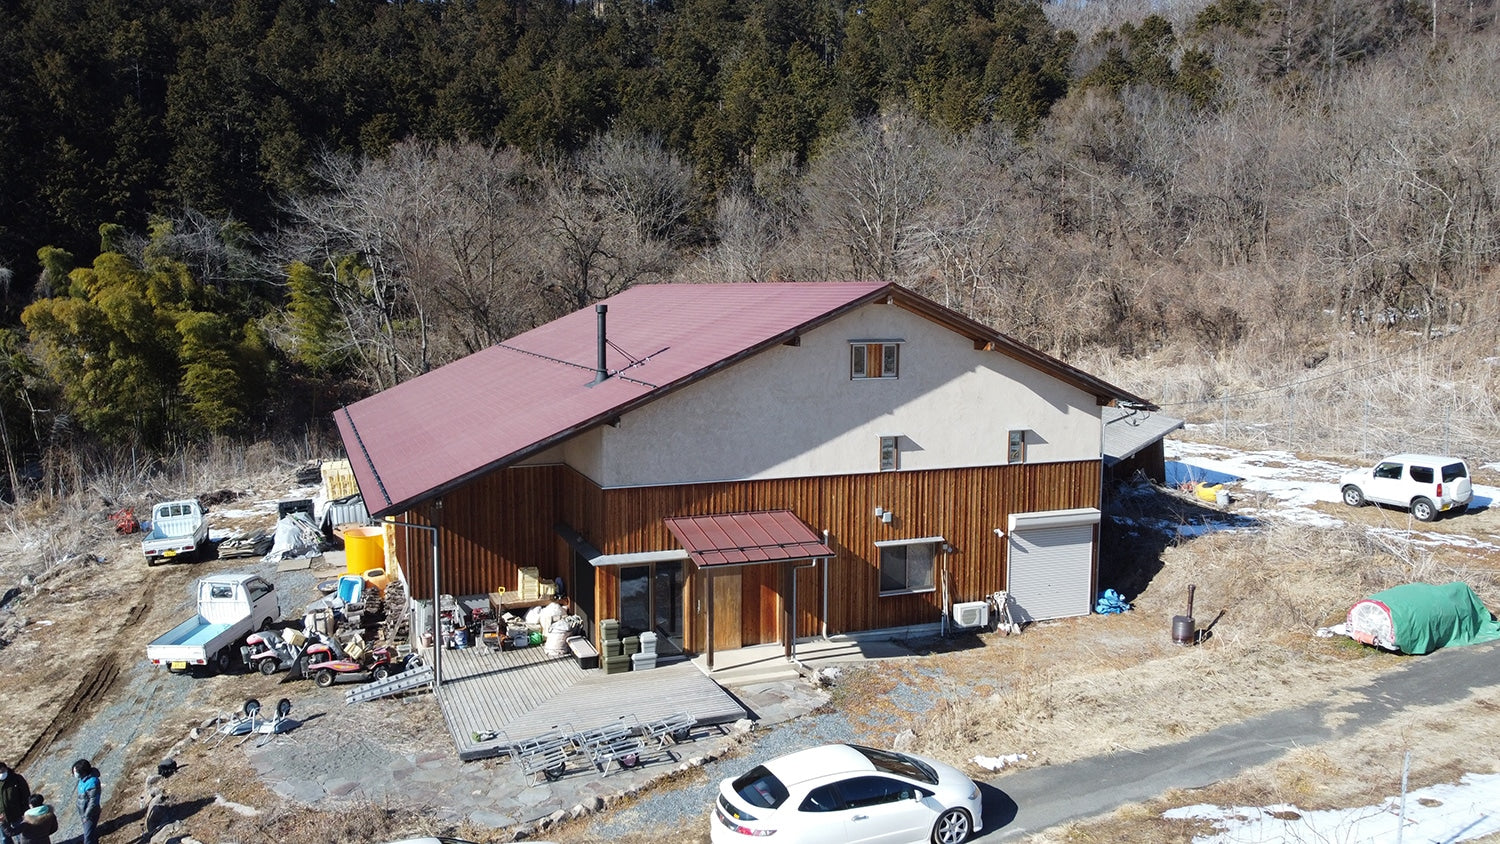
323, 678
952, 827
1353, 496
1423, 510
223, 661
268, 666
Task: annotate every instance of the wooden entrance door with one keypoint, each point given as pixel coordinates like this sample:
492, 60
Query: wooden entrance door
726, 600
747, 604
760, 617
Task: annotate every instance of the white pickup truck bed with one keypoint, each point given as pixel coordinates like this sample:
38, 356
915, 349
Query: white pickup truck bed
230, 607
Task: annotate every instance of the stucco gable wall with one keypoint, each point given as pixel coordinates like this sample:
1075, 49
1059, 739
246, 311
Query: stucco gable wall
793, 411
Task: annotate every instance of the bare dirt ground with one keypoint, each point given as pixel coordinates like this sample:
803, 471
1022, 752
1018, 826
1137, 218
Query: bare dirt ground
87, 607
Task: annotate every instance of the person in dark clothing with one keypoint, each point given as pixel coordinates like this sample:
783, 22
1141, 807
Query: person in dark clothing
38, 824
15, 797
88, 800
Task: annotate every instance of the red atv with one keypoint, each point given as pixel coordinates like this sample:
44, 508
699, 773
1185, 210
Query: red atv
328, 663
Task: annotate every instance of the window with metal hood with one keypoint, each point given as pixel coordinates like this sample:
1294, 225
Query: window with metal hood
906, 566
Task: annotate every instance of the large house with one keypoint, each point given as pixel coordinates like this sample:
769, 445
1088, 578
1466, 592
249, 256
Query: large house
738, 464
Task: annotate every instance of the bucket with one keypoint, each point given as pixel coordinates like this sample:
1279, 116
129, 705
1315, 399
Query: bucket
351, 589
364, 549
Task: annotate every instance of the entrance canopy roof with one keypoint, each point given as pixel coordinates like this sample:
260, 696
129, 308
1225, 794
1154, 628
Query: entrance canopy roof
768, 536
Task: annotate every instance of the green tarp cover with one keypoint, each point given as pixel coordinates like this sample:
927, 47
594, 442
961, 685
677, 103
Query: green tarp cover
1427, 616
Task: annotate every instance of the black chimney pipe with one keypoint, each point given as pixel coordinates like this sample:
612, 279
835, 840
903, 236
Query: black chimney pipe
600, 373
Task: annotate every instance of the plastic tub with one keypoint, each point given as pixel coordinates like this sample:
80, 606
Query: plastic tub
364, 549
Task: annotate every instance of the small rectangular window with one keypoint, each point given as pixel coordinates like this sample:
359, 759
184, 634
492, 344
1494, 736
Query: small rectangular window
890, 454
874, 359
1016, 452
906, 568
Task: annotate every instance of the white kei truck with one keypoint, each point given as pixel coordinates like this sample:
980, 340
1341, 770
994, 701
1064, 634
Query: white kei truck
178, 531
230, 607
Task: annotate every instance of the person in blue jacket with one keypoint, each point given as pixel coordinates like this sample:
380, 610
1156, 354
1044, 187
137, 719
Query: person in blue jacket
88, 799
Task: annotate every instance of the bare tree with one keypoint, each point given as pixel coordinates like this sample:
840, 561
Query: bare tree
611, 218
869, 194
476, 259
430, 250
353, 231
746, 238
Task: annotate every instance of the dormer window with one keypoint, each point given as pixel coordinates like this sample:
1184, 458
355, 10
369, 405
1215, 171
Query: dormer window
874, 359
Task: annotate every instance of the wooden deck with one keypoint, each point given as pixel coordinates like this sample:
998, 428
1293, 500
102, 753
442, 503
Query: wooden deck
524, 693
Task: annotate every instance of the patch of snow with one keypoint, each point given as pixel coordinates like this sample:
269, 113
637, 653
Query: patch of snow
1459, 811
1294, 486
238, 808
242, 514
995, 763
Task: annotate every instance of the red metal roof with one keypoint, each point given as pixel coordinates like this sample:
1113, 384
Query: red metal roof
768, 536
498, 405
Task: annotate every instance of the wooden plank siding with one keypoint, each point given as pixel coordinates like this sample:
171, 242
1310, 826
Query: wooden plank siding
506, 520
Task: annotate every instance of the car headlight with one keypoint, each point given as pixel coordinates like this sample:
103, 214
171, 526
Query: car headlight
973, 790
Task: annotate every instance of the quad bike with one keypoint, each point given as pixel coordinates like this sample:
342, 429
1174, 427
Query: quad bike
327, 663
268, 652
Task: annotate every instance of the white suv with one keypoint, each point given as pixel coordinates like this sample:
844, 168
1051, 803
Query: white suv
1428, 484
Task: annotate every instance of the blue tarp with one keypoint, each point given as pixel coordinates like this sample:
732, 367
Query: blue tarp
1179, 473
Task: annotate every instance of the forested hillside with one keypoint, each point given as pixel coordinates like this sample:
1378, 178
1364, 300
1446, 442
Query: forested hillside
223, 218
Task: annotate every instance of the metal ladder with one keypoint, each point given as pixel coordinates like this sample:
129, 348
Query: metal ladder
412, 679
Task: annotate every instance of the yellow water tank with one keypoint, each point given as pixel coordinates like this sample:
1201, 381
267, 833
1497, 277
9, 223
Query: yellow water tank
364, 549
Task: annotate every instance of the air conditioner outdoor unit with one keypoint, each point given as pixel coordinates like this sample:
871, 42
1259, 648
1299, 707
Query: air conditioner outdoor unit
971, 614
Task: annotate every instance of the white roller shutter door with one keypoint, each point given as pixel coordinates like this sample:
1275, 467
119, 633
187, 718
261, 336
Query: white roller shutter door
1052, 567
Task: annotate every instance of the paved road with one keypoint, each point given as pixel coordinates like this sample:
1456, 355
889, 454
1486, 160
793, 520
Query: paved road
1033, 800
